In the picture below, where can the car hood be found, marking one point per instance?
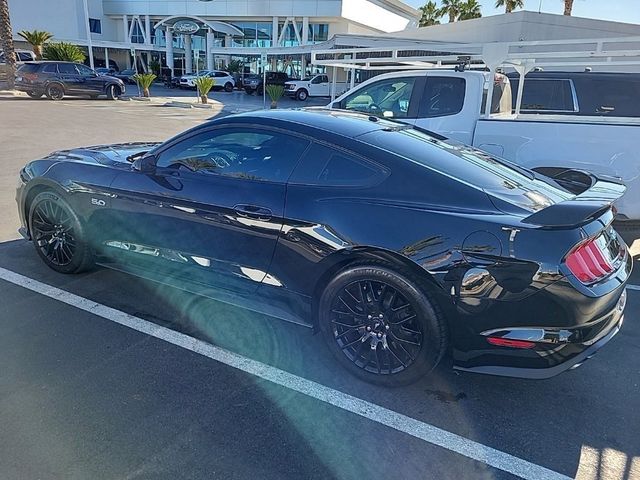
(111, 155)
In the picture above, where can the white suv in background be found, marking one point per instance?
(224, 80)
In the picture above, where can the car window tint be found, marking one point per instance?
(326, 166)
(617, 97)
(545, 95)
(30, 68)
(386, 98)
(67, 68)
(84, 70)
(50, 68)
(243, 153)
(442, 96)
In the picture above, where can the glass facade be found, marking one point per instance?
(256, 34)
(318, 32)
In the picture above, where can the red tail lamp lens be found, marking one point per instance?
(505, 342)
(588, 263)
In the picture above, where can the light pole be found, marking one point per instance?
(88, 27)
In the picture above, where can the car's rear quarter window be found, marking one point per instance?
(29, 68)
(326, 166)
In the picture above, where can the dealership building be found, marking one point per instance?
(188, 35)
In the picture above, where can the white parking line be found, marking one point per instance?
(384, 416)
(633, 287)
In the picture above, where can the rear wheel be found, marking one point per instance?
(113, 92)
(228, 87)
(55, 91)
(302, 94)
(58, 235)
(381, 326)
(34, 94)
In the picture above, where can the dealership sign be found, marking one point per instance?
(187, 27)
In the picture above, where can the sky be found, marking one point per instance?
(617, 10)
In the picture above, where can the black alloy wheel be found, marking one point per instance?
(55, 91)
(58, 235)
(381, 326)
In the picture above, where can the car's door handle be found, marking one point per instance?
(253, 211)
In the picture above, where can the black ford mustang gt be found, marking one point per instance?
(398, 246)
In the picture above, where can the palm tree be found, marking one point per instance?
(6, 39)
(469, 9)
(510, 5)
(431, 14)
(568, 6)
(37, 39)
(451, 7)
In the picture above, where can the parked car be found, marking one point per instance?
(579, 93)
(254, 83)
(224, 80)
(313, 86)
(21, 56)
(106, 71)
(57, 79)
(452, 104)
(397, 245)
(127, 76)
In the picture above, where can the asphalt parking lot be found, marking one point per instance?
(107, 376)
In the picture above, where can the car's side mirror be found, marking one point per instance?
(145, 164)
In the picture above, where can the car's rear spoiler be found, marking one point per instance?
(594, 200)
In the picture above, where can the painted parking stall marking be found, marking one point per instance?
(384, 416)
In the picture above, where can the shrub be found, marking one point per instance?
(144, 81)
(275, 93)
(204, 85)
(63, 52)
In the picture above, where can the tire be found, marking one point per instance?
(250, 92)
(259, 92)
(228, 87)
(33, 94)
(54, 91)
(113, 92)
(359, 313)
(58, 234)
(302, 95)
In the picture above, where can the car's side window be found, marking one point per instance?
(50, 68)
(67, 69)
(545, 95)
(387, 98)
(84, 71)
(326, 166)
(442, 96)
(249, 153)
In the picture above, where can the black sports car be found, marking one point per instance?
(399, 246)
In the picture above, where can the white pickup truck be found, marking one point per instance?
(558, 129)
(313, 86)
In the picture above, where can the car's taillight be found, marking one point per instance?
(588, 262)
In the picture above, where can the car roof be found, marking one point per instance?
(331, 121)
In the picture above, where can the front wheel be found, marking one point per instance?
(381, 326)
(302, 95)
(113, 92)
(58, 234)
(228, 87)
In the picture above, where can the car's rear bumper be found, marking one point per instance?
(561, 352)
